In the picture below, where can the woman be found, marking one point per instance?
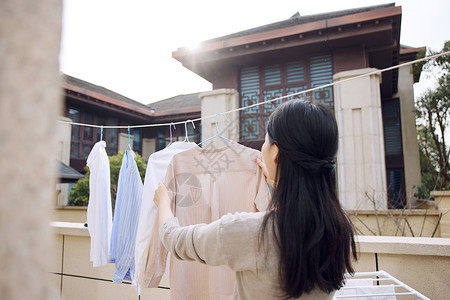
(300, 247)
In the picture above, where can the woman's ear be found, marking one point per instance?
(275, 152)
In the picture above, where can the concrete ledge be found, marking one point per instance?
(440, 193)
(395, 212)
(404, 245)
(217, 92)
(67, 228)
(367, 244)
(71, 207)
(353, 73)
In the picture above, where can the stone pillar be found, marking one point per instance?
(361, 158)
(442, 199)
(148, 147)
(63, 138)
(409, 133)
(215, 102)
(30, 101)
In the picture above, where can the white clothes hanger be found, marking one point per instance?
(217, 130)
(170, 129)
(186, 139)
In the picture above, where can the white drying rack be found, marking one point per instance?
(383, 281)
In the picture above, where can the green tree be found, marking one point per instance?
(433, 123)
(79, 195)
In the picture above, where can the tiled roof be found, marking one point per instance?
(66, 173)
(101, 90)
(177, 102)
(297, 19)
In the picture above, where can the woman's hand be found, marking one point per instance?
(162, 201)
(161, 194)
(260, 163)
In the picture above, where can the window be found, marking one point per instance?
(137, 140)
(74, 114)
(112, 135)
(161, 140)
(395, 189)
(262, 83)
(394, 153)
(84, 137)
(191, 133)
(178, 134)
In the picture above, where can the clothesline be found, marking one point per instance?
(268, 101)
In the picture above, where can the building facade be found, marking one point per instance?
(378, 161)
(87, 103)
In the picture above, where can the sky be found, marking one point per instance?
(126, 46)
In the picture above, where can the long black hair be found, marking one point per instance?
(313, 233)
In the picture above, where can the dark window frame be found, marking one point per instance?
(394, 162)
(282, 88)
(178, 134)
(94, 134)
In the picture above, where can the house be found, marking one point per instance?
(378, 160)
(91, 104)
(88, 103)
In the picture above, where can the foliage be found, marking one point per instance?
(79, 196)
(433, 123)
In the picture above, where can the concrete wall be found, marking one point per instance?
(411, 223)
(73, 214)
(407, 259)
(30, 101)
(123, 141)
(421, 263)
(148, 147)
(75, 278)
(442, 199)
(409, 133)
(361, 158)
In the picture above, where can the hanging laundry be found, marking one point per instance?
(126, 217)
(156, 173)
(206, 185)
(99, 211)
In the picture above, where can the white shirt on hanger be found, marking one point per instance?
(99, 211)
(156, 173)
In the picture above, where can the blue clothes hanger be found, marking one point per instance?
(101, 133)
(129, 140)
(217, 130)
(186, 139)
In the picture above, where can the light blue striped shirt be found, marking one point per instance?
(126, 217)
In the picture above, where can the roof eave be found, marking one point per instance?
(107, 100)
(410, 54)
(184, 55)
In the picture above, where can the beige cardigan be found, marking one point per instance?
(233, 241)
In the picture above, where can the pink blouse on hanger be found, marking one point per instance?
(207, 184)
